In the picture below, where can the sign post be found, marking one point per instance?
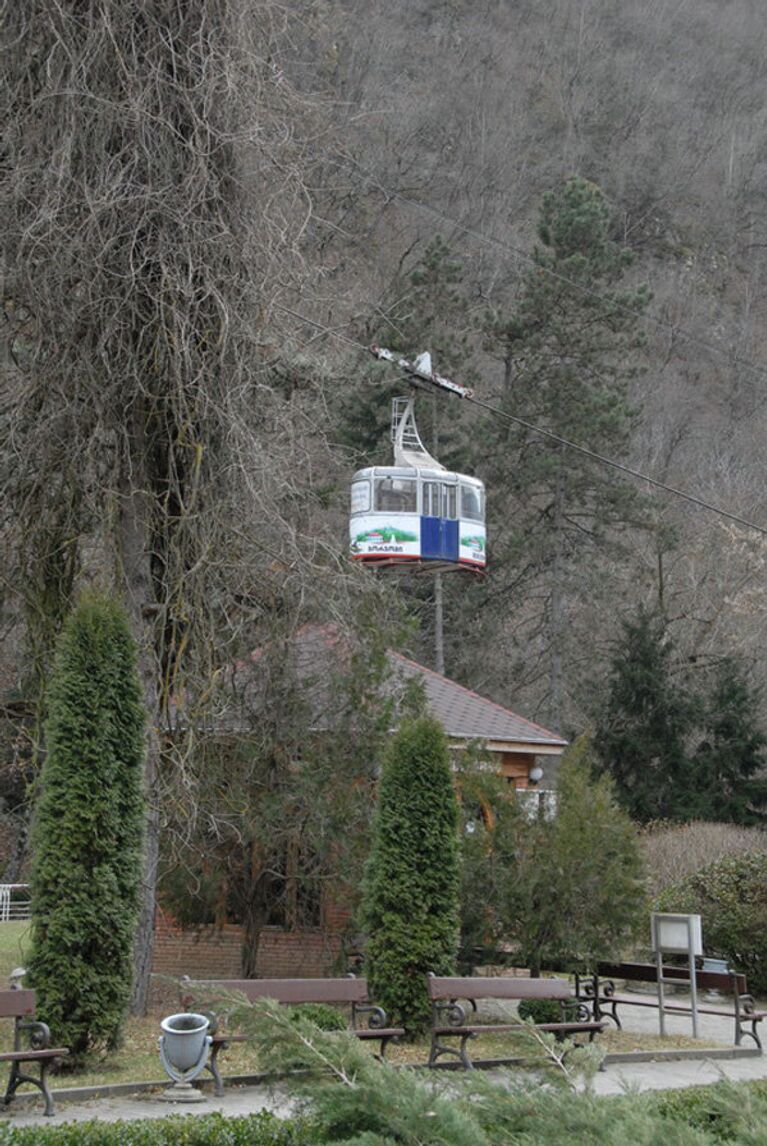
(677, 935)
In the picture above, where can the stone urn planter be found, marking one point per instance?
(184, 1047)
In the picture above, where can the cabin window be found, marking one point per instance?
(471, 503)
(448, 501)
(360, 496)
(396, 495)
(432, 499)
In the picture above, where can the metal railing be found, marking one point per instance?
(537, 803)
(14, 902)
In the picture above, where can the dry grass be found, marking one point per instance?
(138, 1059)
(673, 851)
(13, 945)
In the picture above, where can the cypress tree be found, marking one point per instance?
(410, 905)
(87, 839)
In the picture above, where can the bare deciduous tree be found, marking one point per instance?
(157, 434)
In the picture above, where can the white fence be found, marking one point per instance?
(14, 901)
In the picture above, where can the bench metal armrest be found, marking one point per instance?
(745, 1005)
(37, 1033)
(575, 1010)
(377, 1017)
(452, 1012)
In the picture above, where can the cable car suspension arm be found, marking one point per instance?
(421, 370)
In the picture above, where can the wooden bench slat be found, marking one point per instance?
(725, 981)
(350, 991)
(31, 1055)
(498, 988)
(17, 1004)
(492, 1028)
(291, 990)
(372, 1033)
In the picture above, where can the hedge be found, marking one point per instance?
(262, 1129)
(731, 898)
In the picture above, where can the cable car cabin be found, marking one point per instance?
(417, 517)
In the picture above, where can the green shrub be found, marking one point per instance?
(410, 895)
(325, 1017)
(673, 851)
(540, 1010)
(262, 1129)
(731, 897)
(723, 1110)
(87, 840)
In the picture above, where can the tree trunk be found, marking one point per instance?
(439, 634)
(556, 609)
(134, 549)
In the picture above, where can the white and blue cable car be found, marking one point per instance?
(416, 514)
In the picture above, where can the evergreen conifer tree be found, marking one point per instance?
(642, 735)
(561, 886)
(410, 898)
(425, 308)
(728, 763)
(87, 840)
(568, 352)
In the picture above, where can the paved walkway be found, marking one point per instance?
(617, 1077)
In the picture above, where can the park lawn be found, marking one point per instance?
(14, 938)
(518, 1046)
(137, 1060)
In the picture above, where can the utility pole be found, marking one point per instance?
(439, 616)
(439, 636)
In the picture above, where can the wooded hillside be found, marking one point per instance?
(212, 209)
(456, 120)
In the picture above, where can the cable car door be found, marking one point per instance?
(439, 527)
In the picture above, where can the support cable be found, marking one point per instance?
(468, 396)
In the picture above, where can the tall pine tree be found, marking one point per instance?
(642, 735)
(728, 763)
(568, 353)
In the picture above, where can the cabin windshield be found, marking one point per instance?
(360, 496)
(396, 495)
(471, 503)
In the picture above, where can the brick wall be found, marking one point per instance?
(298, 954)
(201, 953)
(215, 953)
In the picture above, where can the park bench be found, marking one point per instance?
(19, 1005)
(598, 992)
(449, 1014)
(349, 992)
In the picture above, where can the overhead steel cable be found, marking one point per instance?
(491, 240)
(551, 436)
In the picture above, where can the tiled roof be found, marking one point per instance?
(467, 715)
(317, 651)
